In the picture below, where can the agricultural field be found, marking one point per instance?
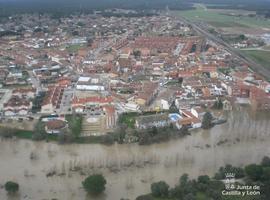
(227, 20)
(260, 56)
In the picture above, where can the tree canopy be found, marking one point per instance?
(160, 189)
(254, 171)
(11, 187)
(218, 104)
(94, 184)
(207, 120)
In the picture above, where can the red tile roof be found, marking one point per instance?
(102, 100)
(55, 124)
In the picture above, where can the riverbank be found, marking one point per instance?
(144, 138)
(126, 132)
(27, 134)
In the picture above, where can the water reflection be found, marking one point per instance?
(100, 197)
(16, 196)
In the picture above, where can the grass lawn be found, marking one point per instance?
(218, 19)
(74, 48)
(23, 134)
(26, 134)
(259, 56)
(75, 124)
(128, 119)
(173, 82)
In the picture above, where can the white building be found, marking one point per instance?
(132, 107)
(90, 84)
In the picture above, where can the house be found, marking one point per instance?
(149, 121)
(63, 82)
(90, 84)
(158, 44)
(79, 105)
(52, 99)
(165, 99)
(198, 112)
(15, 71)
(131, 107)
(147, 94)
(259, 99)
(211, 69)
(186, 121)
(240, 76)
(24, 92)
(17, 106)
(190, 120)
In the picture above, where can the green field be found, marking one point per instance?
(74, 48)
(219, 19)
(75, 124)
(259, 56)
(128, 119)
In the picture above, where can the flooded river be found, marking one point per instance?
(130, 169)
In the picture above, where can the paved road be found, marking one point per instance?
(6, 96)
(35, 82)
(65, 106)
(253, 65)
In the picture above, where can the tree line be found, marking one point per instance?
(67, 7)
(208, 188)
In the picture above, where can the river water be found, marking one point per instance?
(130, 169)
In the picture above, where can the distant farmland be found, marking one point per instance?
(260, 56)
(225, 18)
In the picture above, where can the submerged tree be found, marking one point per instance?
(11, 187)
(207, 120)
(218, 104)
(39, 131)
(94, 184)
(160, 189)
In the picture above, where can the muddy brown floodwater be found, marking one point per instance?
(48, 170)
